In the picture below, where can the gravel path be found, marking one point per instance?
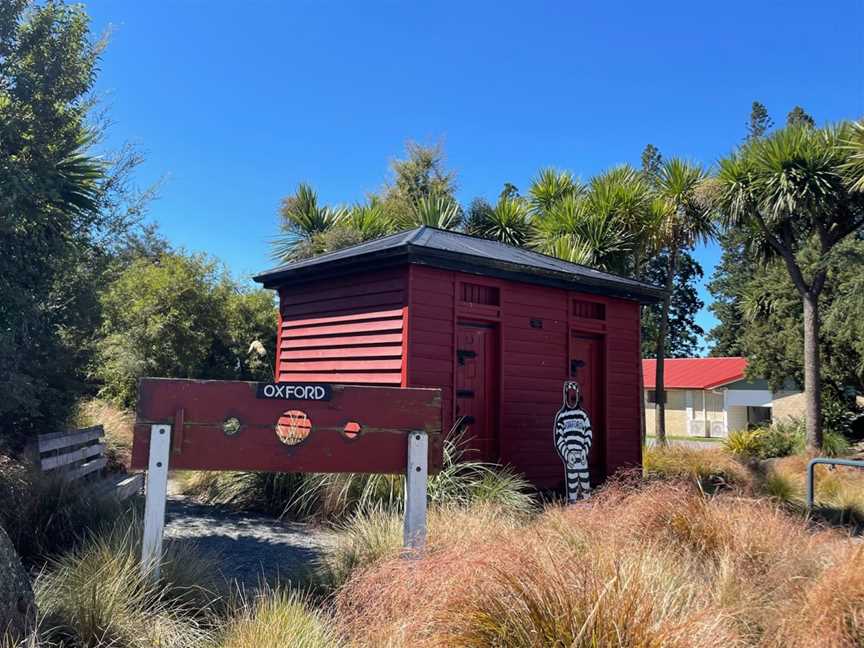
(254, 548)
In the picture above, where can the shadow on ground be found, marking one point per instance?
(253, 548)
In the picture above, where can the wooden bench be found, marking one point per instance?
(79, 455)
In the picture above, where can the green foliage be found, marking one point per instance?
(770, 329)
(509, 221)
(63, 211)
(799, 117)
(651, 160)
(781, 439)
(302, 219)
(744, 443)
(181, 317)
(683, 333)
(760, 121)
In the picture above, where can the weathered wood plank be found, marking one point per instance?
(58, 440)
(85, 469)
(49, 463)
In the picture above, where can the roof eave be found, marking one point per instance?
(422, 255)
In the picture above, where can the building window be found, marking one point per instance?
(652, 396)
(589, 310)
(479, 294)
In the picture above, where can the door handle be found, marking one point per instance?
(574, 365)
(464, 393)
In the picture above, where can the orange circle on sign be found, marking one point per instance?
(293, 427)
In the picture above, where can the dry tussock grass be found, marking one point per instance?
(658, 565)
(118, 424)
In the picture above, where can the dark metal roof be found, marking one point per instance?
(455, 251)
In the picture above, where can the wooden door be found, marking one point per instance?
(587, 368)
(476, 388)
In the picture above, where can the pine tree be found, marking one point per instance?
(760, 121)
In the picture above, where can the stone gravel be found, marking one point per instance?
(253, 548)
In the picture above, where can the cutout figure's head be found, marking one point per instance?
(572, 394)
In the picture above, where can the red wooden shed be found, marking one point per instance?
(497, 328)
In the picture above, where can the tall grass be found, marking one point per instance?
(96, 595)
(373, 535)
(118, 424)
(337, 497)
(712, 468)
(44, 515)
(277, 619)
(660, 565)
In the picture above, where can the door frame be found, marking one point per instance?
(494, 406)
(594, 329)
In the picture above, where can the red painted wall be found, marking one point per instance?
(397, 327)
(534, 362)
(346, 330)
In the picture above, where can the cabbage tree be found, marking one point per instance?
(797, 189)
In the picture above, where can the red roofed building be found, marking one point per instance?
(712, 397)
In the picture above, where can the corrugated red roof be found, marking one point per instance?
(695, 373)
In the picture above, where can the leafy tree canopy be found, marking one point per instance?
(182, 316)
(62, 210)
(684, 334)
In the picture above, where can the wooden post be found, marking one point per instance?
(154, 504)
(416, 473)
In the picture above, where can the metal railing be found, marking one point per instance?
(811, 473)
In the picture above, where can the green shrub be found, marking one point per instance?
(781, 439)
(745, 443)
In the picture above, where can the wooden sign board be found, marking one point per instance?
(282, 427)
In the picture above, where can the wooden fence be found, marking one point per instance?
(80, 455)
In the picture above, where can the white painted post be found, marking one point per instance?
(156, 494)
(416, 473)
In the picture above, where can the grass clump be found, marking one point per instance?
(711, 468)
(118, 424)
(45, 515)
(96, 594)
(276, 619)
(656, 565)
(373, 536)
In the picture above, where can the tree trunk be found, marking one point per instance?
(812, 373)
(659, 387)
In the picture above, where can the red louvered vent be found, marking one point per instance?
(589, 310)
(478, 294)
(347, 334)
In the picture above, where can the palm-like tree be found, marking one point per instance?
(682, 219)
(508, 221)
(853, 168)
(435, 211)
(302, 218)
(799, 188)
(369, 220)
(551, 187)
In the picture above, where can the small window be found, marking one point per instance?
(479, 294)
(652, 396)
(589, 310)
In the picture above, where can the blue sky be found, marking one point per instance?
(234, 103)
